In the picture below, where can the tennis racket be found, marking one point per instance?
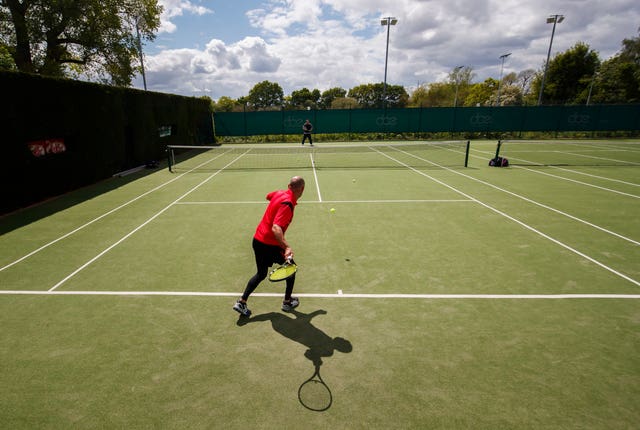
(314, 394)
(284, 271)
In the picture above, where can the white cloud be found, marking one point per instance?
(174, 8)
(327, 43)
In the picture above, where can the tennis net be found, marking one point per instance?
(570, 153)
(338, 156)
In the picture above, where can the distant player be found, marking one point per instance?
(307, 128)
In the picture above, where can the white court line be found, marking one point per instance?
(125, 237)
(499, 212)
(101, 216)
(576, 172)
(590, 175)
(315, 175)
(572, 180)
(335, 201)
(339, 295)
(597, 227)
(578, 182)
(631, 163)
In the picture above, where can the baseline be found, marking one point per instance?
(317, 295)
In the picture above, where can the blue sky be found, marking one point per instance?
(224, 47)
(224, 20)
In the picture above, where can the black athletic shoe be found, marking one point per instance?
(289, 306)
(241, 308)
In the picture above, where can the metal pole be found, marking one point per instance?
(144, 77)
(386, 59)
(500, 80)
(593, 79)
(554, 19)
(388, 21)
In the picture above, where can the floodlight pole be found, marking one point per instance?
(144, 77)
(502, 57)
(555, 19)
(593, 81)
(388, 22)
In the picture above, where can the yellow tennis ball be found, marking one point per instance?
(332, 210)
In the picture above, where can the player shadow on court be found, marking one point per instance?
(319, 344)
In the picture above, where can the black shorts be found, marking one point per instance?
(266, 255)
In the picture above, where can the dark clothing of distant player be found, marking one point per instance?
(307, 128)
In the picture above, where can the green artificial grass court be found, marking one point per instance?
(470, 297)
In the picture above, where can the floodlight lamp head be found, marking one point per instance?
(388, 21)
(555, 18)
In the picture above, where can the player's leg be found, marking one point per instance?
(263, 262)
(289, 303)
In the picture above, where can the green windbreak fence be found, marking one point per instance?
(431, 120)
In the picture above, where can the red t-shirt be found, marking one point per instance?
(279, 212)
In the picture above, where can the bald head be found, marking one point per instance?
(296, 184)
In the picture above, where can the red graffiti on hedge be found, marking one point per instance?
(40, 148)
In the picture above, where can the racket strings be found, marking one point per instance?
(283, 272)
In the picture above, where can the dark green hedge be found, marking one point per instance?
(106, 130)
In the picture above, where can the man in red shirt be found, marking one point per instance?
(269, 244)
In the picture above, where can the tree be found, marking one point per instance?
(266, 95)
(96, 38)
(618, 79)
(397, 96)
(304, 98)
(481, 94)
(225, 104)
(524, 80)
(328, 96)
(418, 96)
(366, 96)
(344, 103)
(569, 75)
(371, 95)
(460, 79)
(510, 92)
(631, 50)
(437, 94)
(6, 62)
(444, 94)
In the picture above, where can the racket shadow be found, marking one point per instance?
(314, 394)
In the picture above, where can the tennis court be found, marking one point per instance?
(434, 296)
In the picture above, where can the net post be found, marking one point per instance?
(498, 150)
(169, 158)
(466, 154)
